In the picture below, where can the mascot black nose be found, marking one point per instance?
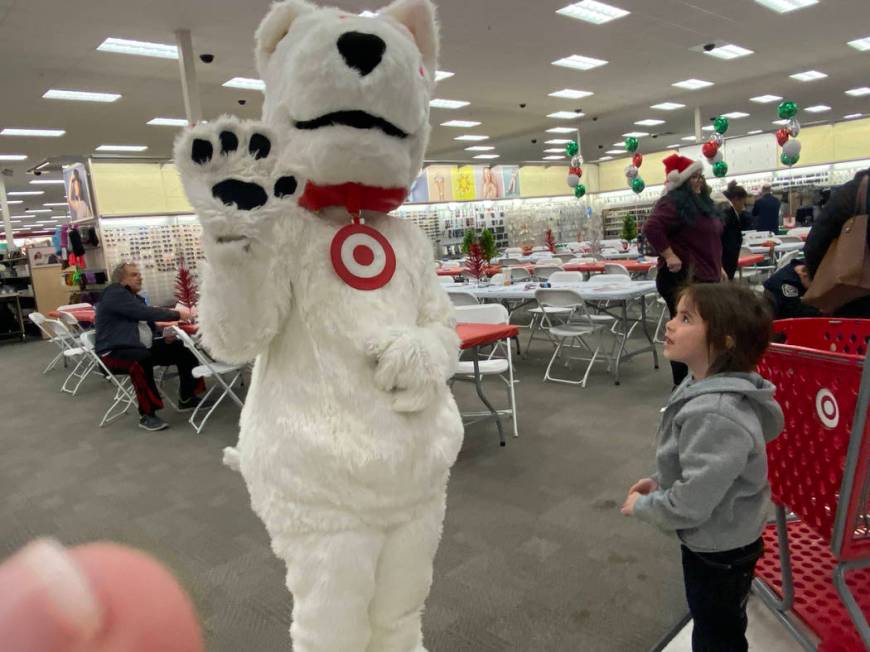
(362, 52)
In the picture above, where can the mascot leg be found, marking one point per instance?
(404, 575)
(332, 578)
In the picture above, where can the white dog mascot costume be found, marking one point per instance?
(349, 429)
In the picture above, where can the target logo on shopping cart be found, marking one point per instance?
(362, 257)
(827, 408)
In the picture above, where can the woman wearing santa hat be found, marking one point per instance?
(685, 229)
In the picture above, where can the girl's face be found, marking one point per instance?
(686, 338)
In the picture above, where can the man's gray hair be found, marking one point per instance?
(120, 272)
(765, 188)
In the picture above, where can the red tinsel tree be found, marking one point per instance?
(185, 287)
(475, 264)
(550, 241)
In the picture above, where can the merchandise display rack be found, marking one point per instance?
(15, 288)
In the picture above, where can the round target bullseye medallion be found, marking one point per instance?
(827, 408)
(362, 257)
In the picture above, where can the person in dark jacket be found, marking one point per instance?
(827, 227)
(765, 212)
(784, 289)
(127, 342)
(686, 232)
(733, 218)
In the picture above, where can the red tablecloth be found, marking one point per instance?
(477, 334)
(89, 316)
(633, 266)
(748, 261)
(452, 271)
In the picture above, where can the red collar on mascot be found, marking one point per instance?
(354, 197)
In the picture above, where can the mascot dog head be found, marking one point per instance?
(352, 92)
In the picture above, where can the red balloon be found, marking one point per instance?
(782, 136)
(637, 160)
(709, 149)
(578, 171)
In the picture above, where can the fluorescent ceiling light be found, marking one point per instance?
(479, 148)
(729, 51)
(447, 104)
(554, 150)
(593, 12)
(463, 124)
(616, 151)
(168, 122)
(784, 6)
(561, 130)
(692, 84)
(554, 158)
(649, 122)
(25, 193)
(735, 115)
(570, 93)
(852, 115)
(365, 13)
(579, 62)
(442, 74)
(139, 48)
(668, 106)
(471, 137)
(765, 99)
(818, 108)
(753, 132)
(42, 133)
(13, 157)
(122, 148)
(690, 138)
(80, 96)
(486, 156)
(56, 203)
(606, 158)
(809, 75)
(38, 210)
(862, 44)
(17, 201)
(47, 182)
(246, 83)
(779, 122)
(635, 134)
(565, 115)
(707, 128)
(619, 144)
(858, 92)
(675, 145)
(558, 141)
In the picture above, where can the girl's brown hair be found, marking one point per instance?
(738, 324)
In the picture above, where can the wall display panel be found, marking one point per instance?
(750, 154)
(817, 146)
(851, 140)
(144, 188)
(611, 174)
(544, 181)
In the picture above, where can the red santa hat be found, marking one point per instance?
(678, 169)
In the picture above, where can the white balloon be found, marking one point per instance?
(792, 147)
(718, 139)
(794, 127)
(719, 156)
(573, 180)
(576, 161)
(630, 171)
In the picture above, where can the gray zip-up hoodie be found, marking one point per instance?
(712, 462)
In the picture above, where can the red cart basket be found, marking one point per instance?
(817, 564)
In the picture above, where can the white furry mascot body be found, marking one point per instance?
(349, 429)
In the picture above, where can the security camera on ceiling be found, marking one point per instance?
(206, 58)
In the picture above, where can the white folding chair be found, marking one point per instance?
(497, 279)
(70, 322)
(124, 397)
(603, 279)
(519, 274)
(570, 331)
(446, 280)
(218, 371)
(540, 321)
(462, 298)
(566, 277)
(787, 258)
(564, 257)
(39, 319)
(72, 351)
(545, 270)
(616, 268)
(510, 262)
(495, 364)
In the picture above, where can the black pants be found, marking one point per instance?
(139, 363)
(717, 588)
(669, 284)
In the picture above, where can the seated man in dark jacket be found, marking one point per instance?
(785, 288)
(127, 342)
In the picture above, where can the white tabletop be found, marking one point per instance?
(588, 291)
(782, 248)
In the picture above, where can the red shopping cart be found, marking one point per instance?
(817, 564)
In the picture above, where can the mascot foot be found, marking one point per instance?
(231, 458)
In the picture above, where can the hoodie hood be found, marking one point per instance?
(756, 390)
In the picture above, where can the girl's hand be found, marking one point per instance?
(644, 486)
(628, 506)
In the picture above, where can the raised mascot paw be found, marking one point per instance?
(230, 170)
(408, 367)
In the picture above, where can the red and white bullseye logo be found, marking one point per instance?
(362, 257)
(827, 408)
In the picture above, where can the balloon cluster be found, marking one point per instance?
(712, 148)
(572, 149)
(632, 174)
(786, 136)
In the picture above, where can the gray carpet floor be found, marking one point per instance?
(535, 554)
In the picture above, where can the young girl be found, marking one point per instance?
(711, 482)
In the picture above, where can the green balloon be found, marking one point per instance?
(789, 160)
(638, 184)
(571, 148)
(720, 124)
(579, 190)
(631, 144)
(720, 168)
(787, 109)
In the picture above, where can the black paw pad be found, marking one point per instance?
(259, 146)
(285, 186)
(246, 196)
(201, 151)
(229, 142)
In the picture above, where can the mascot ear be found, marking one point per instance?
(419, 17)
(275, 26)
